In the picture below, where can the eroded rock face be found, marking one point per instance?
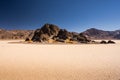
(47, 31)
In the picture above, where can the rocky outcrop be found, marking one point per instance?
(64, 34)
(27, 39)
(111, 42)
(103, 42)
(107, 42)
(46, 32)
(50, 31)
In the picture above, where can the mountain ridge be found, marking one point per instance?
(15, 34)
(92, 33)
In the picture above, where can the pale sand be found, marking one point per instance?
(59, 62)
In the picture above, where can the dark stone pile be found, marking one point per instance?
(50, 31)
(107, 42)
(111, 42)
(47, 31)
(103, 42)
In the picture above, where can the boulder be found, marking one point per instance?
(111, 42)
(27, 39)
(44, 33)
(103, 42)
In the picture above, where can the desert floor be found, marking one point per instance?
(59, 62)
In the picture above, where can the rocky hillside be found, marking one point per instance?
(15, 34)
(101, 34)
(52, 32)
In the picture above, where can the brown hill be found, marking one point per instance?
(101, 34)
(51, 31)
(15, 34)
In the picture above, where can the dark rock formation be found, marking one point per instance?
(46, 32)
(107, 42)
(83, 38)
(80, 38)
(103, 42)
(27, 39)
(50, 31)
(64, 34)
(111, 42)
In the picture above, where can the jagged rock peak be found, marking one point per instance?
(45, 32)
(50, 29)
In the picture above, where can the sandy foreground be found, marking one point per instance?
(59, 62)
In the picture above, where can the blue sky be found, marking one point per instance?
(74, 15)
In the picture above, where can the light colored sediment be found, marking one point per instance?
(59, 62)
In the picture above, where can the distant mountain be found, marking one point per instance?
(15, 34)
(101, 34)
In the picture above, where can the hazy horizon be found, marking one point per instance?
(73, 15)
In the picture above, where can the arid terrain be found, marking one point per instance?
(59, 62)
